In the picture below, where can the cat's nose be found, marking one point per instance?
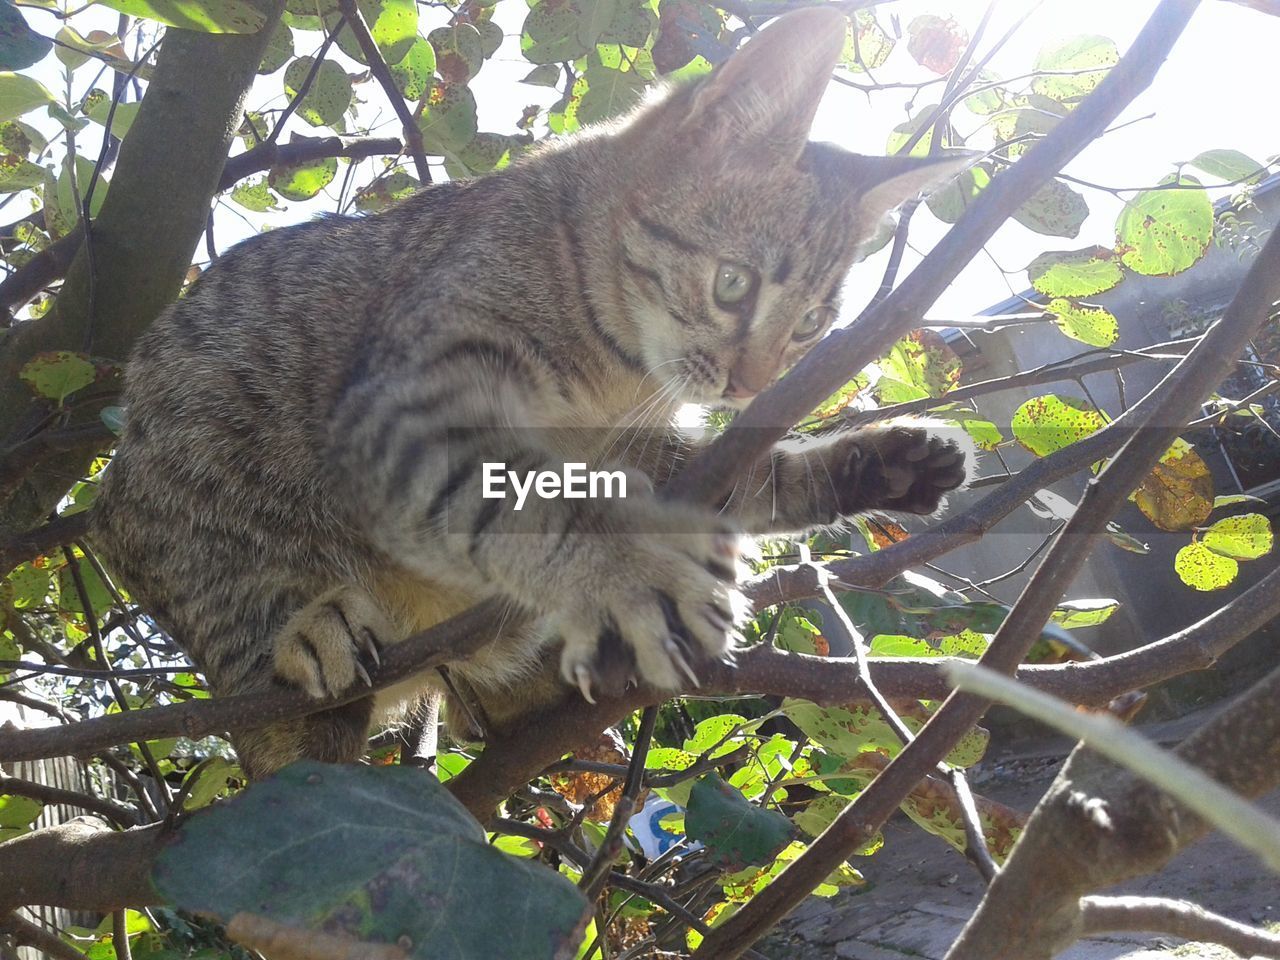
(737, 391)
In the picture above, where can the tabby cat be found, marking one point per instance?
(300, 480)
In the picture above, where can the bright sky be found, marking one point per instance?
(1210, 94)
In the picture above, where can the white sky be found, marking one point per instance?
(1214, 92)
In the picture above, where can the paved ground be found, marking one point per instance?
(920, 891)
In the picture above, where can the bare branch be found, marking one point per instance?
(1119, 827)
(26, 933)
(121, 816)
(1179, 918)
(382, 73)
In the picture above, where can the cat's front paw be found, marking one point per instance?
(659, 602)
(905, 467)
(331, 641)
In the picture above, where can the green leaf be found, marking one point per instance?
(1084, 613)
(903, 132)
(100, 598)
(29, 585)
(1244, 537)
(735, 833)
(208, 780)
(711, 731)
(1201, 568)
(416, 70)
(1092, 53)
(207, 16)
(20, 46)
(550, 32)
(58, 374)
(407, 857)
(1230, 165)
(18, 173)
(21, 138)
(985, 434)
(1235, 498)
(796, 632)
(448, 121)
(20, 94)
(279, 49)
(545, 75)
(1095, 326)
(609, 93)
(949, 202)
(919, 365)
(1049, 423)
(459, 53)
(394, 27)
(1163, 232)
(491, 37)
(1075, 273)
(305, 181)
(1126, 541)
(97, 107)
(255, 195)
(385, 191)
(17, 814)
(67, 208)
(1055, 211)
(483, 153)
(330, 94)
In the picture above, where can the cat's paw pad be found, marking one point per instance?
(907, 468)
(331, 642)
(658, 616)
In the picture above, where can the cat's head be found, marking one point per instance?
(733, 231)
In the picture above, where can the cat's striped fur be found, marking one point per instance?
(299, 480)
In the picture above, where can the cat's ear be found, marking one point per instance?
(765, 95)
(882, 183)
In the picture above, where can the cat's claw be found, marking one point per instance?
(329, 644)
(677, 657)
(582, 674)
(370, 644)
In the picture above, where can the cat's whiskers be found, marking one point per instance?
(660, 407)
(637, 418)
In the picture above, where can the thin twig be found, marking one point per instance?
(382, 73)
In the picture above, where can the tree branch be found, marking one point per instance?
(28, 934)
(382, 73)
(1099, 825)
(1177, 917)
(120, 816)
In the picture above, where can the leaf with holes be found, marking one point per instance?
(1163, 232)
(57, 374)
(330, 94)
(304, 181)
(18, 173)
(1092, 55)
(20, 46)
(459, 54)
(866, 44)
(1244, 537)
(1201, 568)
(919, 365)
(416, 70)
(735, 833)
(410, 854)
(207, 16)
(1055, 211)
(1049, 423)
(936, 43)
(1075, 273)
(1095, 326)
(1178, 492)
(28, 585)
(255, 195)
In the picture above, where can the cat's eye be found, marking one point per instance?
(734, 283)
(813, 322)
